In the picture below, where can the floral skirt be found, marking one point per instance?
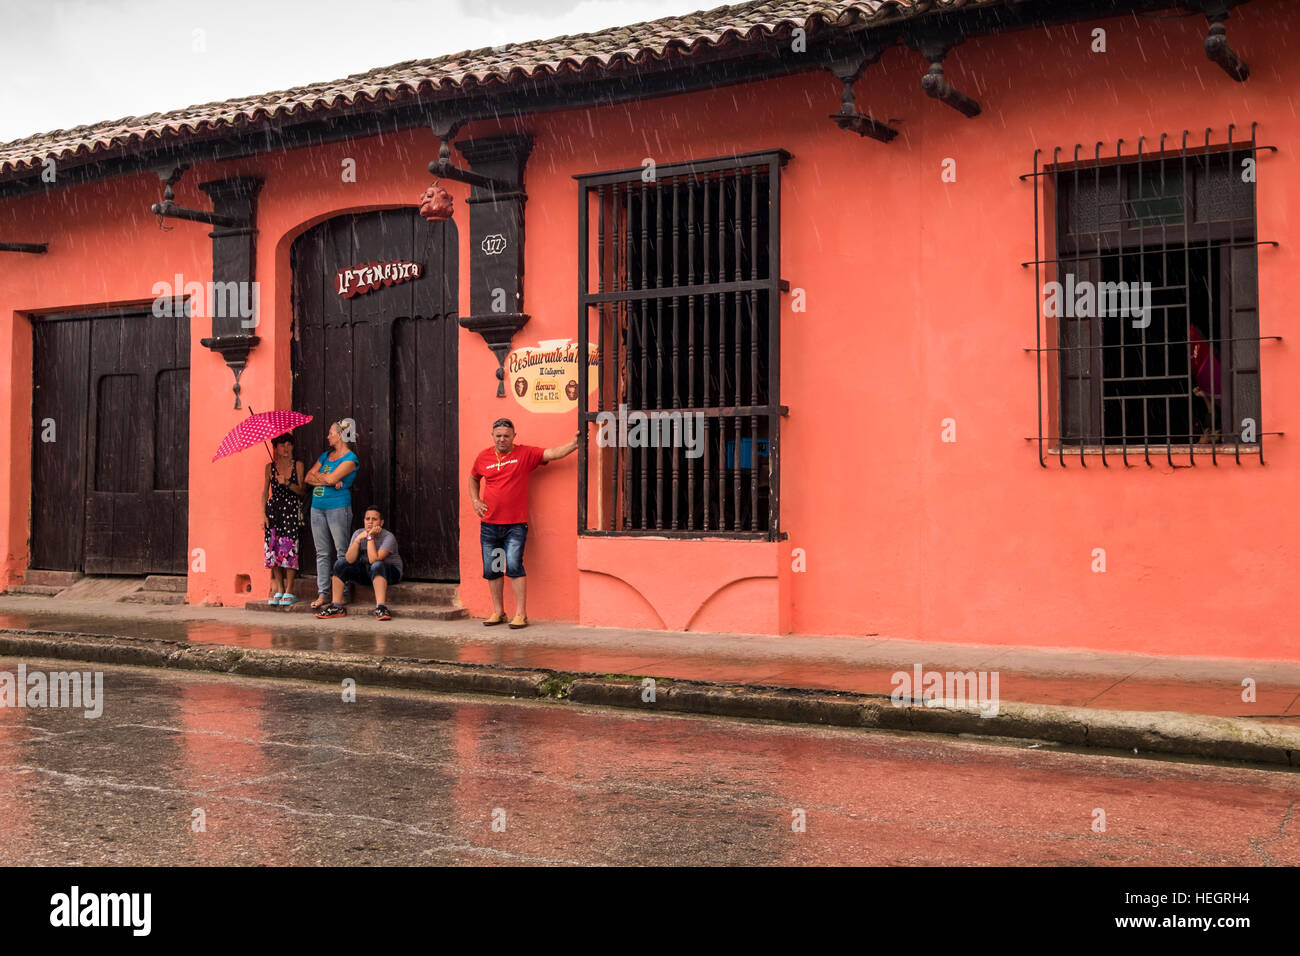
(281, 550)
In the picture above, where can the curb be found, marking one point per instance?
(399, 672)
(1169, 733)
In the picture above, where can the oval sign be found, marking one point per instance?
(544, 377)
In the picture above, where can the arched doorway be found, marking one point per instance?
(379, 346)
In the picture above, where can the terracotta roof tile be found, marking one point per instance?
(474, 70)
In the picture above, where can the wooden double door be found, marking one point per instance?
(386, 358)
(110, 442)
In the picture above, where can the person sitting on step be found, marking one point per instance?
(371, 558)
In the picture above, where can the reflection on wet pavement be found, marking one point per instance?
(284, 773)
(716, 658)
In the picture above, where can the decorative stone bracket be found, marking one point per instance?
(497, 331)
(233, 260)
(496, 243)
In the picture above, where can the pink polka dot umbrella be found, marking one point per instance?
(258, 428)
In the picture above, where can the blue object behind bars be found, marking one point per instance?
(746, 452)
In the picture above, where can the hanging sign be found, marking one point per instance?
(374, 275)
(544, 377)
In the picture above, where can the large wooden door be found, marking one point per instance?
(110, 490)
(386, 359)
(60, 398)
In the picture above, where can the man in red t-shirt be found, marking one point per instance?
(498, 489)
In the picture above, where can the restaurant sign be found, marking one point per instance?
(370, 276)
(544, 377)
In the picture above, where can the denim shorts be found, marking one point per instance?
(363, 572)
(503, 547)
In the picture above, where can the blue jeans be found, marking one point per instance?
(503, 541)
(331, 529)
(362, 571)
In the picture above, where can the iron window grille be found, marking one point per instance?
(1146, 301)
(686, 317)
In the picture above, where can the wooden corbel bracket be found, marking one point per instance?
(936, 85)
(167, 209)
(442, 166)
(1216, 43)
(848, 69)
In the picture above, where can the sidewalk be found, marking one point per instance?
(1080, 681)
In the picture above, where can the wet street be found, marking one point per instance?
(201, 769)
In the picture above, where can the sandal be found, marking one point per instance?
(494, 620)
(320, 602)
(288, 600)
(519, 621)
(274, 599)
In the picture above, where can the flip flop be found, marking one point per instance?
(288, 600)
(274, 599)
(319, 603)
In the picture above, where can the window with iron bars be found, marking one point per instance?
(685, 264)
(1149, 302)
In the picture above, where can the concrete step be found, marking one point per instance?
(36, 590)
(52, 579)
(153, 597)
(433, 593)
(363, 608)
(102, 588)
(166, 582)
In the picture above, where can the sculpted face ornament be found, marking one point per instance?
(436, 203)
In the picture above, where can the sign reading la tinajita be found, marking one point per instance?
(370, 276)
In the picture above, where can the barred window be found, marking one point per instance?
(1149, 303)
(685, 317)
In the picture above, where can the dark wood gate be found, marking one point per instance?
(387, 359)
(110, 443)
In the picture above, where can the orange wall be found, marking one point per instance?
(918, 310)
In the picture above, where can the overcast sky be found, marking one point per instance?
(65, 63)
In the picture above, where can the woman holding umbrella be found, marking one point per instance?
(282, 494)
(331, 505)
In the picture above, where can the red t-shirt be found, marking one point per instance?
(505, 482)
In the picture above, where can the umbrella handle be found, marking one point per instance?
(268, 446)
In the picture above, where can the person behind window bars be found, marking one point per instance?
(498, 490)
(1207, 378)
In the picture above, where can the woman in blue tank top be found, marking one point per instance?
(331, 479)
